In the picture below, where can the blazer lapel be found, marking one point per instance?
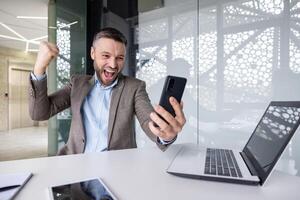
(87, 86)
(115, 98)
(84, 90)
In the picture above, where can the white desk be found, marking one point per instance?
(140, 174)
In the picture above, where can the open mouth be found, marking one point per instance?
(109, 73)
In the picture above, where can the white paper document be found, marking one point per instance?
(11, 184)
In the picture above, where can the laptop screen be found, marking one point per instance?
(272, 134)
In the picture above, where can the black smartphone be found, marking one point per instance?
(173, 86)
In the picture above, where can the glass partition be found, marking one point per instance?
(237, 55)
(255, 62)
(69, 32)
(166, 39)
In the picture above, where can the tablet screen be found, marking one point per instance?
(93, 189)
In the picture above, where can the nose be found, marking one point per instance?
(112, 63)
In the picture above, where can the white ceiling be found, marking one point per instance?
(28, 28)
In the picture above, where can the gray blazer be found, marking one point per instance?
(129, 98)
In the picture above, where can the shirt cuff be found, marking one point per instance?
(37, 77)
(163, 142)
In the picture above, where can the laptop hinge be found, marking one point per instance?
(249, 164)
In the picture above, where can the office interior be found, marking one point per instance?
(238, 55)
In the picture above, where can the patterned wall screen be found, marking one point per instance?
(63, 60)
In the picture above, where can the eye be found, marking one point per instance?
(105, 56)
(120, 58)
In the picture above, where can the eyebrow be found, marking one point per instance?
(106, 52)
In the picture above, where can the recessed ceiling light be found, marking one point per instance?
(31, 17)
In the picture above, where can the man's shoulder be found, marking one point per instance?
(132, 80)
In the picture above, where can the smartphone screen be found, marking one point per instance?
(173, 87)
(93, 189)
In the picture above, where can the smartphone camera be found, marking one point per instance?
(171, 84)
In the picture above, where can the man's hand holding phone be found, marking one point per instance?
(169, 118)
(168, 127)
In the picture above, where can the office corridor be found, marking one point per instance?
(23, 143)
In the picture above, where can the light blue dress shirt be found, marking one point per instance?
(95, 112)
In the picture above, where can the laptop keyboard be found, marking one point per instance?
(221, 162)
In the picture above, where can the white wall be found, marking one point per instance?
(3, 92)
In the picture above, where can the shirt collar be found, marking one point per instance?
(99, 83)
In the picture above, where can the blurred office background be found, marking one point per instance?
(238, 55)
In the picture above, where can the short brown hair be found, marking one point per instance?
(111, 33)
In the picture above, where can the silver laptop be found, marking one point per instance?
(255, 162)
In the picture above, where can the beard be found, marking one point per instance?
(107, 75)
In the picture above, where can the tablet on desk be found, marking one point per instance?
(92, 189)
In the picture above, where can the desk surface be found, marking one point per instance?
(140, 174)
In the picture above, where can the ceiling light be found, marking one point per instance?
(21, 38)
(39, 38)
(63, 26)
(27, 47)
(31, 17)
(32, 50)
(52, 27)
(12, 38)
(72, 23)
(13, 31)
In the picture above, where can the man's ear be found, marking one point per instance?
(92, 53)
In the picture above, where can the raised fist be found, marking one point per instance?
(47, 52)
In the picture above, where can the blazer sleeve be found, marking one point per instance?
(43, 106)
(143, 108)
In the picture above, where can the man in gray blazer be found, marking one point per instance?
(103, 106)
